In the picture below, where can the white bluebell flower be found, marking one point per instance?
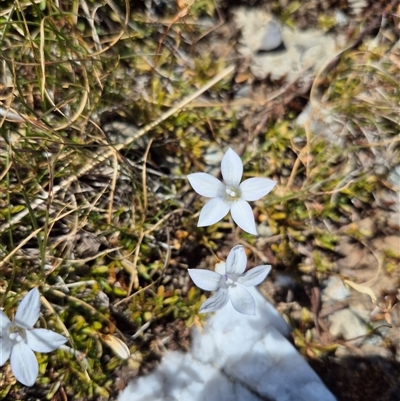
(229, 281)
(230, 195)
(18, 339)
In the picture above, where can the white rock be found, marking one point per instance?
(235, 358)
(348, 323)
(303, 50)
(272, 37)
(321, 120)
(334, 290)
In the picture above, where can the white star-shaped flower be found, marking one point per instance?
(229, 280)
(18, 339)
(231, 195)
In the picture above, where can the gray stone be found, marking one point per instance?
(334, 290)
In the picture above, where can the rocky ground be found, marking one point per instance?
(349, 332)
(312, 99)
(352, 335)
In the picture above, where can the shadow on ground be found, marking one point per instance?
(353, 378)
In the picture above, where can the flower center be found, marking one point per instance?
(16, 333)
(232, 194)
(230, 280)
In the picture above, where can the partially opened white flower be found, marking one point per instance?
(229, 280)
(18, 339)
(231, 195)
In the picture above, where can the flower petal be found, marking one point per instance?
(242, 300)
(217, 301)
(205, 279)
(28, 310)
(220, 268)
(43, 340)
(231, 168)
(206, 185)
(254, 276)
(24, 364)
(5, 323)
(5, 350)
(236, 261)
(243, 216)
(213, 211)
(255, 188)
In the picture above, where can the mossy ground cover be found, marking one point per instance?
(96, 142)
